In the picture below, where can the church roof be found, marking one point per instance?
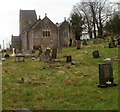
(28, 14)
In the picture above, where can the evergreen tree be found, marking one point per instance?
(77, 22)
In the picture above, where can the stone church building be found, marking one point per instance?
(34, 32)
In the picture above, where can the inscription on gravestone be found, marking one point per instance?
(106, 70)
(106, 75)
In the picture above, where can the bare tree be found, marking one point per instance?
(95, 13)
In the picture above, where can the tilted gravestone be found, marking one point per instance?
(47, 52)
(68, 58)
(106, 75)
(54, 53)
(96, 54)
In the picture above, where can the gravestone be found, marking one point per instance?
(33, 57)
(74, 43)
(70, 42)
(112, 43)
(68, 58)
(22, 110)
(13, 54)
(95, 54)
(54, 53)
(106, 75)
(78, 44)
(60, 50)
(40, 51)
(17, 51)
(6, 56)
(84, 42)
(20, 58)
(47, 52)
(118, 41)
(33, 51)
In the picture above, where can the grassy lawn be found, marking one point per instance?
(65, 88)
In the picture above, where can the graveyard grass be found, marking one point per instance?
(64, 88)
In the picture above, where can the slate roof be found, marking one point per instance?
(28, 15)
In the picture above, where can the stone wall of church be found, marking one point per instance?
(16, 44)
(40, 37)
(24, 41)
(65, 34)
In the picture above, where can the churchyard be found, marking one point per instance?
(54, 84)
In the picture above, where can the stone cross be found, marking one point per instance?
(13, 54)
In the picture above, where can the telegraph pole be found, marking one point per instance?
(3, 48)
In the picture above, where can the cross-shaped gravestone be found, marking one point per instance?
(13, 54)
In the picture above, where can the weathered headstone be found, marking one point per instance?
(19, 58)
(106, 75)
(33, 51)
(17, 51)
(22, 110)
(70, 42)
(47, 52)
(78, 44)
(60, 50)
(33, 57)
(84, 42)
(40, 51)
(112, 43)
(54, 53)
(6, 56)
(68, 58)
(74, 43)
(95, 54)
(118, 41)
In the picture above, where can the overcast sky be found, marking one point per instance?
(9, 13)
